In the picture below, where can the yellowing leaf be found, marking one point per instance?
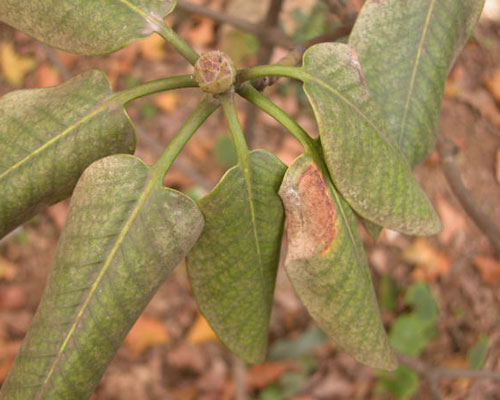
(14, 66)
(201, 331)
(153, 48)
(167, 101)
(146, 333)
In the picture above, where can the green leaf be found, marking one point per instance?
(327, 265)
(406, 49)
(89, 27)
(420, 297)
(49, 136)
(366, 166)
(476, 356)
(388, 293)
(124, 233)
(410, 334)
(401, 383)
(225, 153)
(300, 346)
(233, 266)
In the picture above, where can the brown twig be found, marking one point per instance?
(433, 375)
(268, 35)
(447, 151)
(264, 57)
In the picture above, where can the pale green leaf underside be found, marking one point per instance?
(327, 265)
(406, 48)
(233, 266)
(124, 233)
(49, 136)
(89, 27)
(366, 166)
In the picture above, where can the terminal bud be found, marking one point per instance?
(215, 72)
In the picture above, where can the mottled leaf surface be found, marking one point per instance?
(233, 265)
(327, 265)
(366, 166)
(406, 48)
(49, 136)
(89, 27)
(124, 233)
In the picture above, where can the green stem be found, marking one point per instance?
(178, 43)
(159, 85)
(206, 107)
(261, 71)
(311, 147)
(240, 143)
(258, 99)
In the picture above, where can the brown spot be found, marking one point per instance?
(310, 214)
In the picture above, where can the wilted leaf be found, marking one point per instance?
(233, 266)
(327, 265)
(406, 49)
(14, 66)
(87, 27)
(366, 166)
(201, 331)
(489, 268)
(430, 263)
(49, 136)
(124, 233)
(146, 333)
(476, 356)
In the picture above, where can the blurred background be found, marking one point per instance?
(439, 295)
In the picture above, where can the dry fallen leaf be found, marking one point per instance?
(453, 221)
(47, 75)
(8, 270)
(12, 298)
(430, 263)
(483, 102)
(202, 33)
(493, 84)
(153, 48)
(489, 268)
(498, 166)
(201, 331)
(167, 101)
(146, 333)
(58, 212)
(14, 66)
(261, 375)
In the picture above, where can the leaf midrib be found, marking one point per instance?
(107, 263)
(418, 57)
(310, 78)
(105, 105)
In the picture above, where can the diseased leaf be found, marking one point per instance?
(233, 266)
(124, 233)
(406, 49)
(327, 265)
(49, 136)
(366, 166)
(89, 27)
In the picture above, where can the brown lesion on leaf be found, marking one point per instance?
(311, 213)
